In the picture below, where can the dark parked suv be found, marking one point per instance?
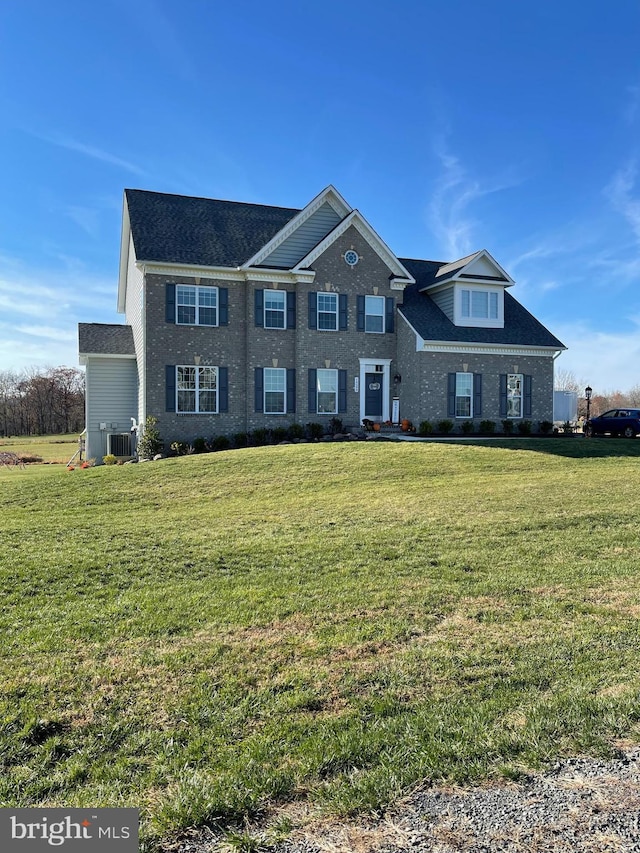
(617, 422)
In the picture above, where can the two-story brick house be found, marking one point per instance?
(239, 316)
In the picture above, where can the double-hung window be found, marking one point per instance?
(374, 313)
(275, 307)
(196, 306)
(514, 395)
(328, 311)
(480, 304)
(464, 395)
(275, 390)
(197, 389)
(327, 389)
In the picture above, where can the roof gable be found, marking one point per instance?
(479, 267)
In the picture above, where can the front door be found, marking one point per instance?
(373, 395)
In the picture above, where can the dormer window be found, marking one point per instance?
(479, 306)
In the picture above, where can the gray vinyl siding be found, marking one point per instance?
(112, 398)
(134, 312)
(300, 243)
(444, 301)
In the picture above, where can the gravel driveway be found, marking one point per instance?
(579, 805)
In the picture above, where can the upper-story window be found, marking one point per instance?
(196, 306)
(374, 310)
(274, 309)
(480, 304)
(328, 311)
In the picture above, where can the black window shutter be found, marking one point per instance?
(477, 395)
(223, 310)
(503, 395)
(291, 309)
(259, 307)
(259, 390)
(451, 395)
(313, 392)
(342, 390)
(170, 387)
(390, 310)
(223, 389)
(170, 303)
(527, 397)
(291, 390)
(343, 315)
(361, 304)
(313, 310)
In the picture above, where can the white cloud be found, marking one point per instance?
(607, 360)
(620, 194)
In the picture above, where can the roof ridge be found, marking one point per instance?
(207, 198)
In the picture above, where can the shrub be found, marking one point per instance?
(487, 427)
(425, 428)
(546, 427)
(524, 427)
(150, 443)
(240, 439)
(28, 458)
(567, 428)
(180, 448)
(279, 434)
(259, 437)
(296, 431)
(507, 426)
(220, 442)
(466, 427)
(110, 459)
(445, 426)
(335, 426)
(315, 431)
(199, 445)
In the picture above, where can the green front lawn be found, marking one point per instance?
(208, 636)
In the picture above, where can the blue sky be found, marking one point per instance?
(452, 126)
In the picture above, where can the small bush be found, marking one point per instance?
(315, 431)
(445, 426)
(296, 431)
(199, 445)
(524, 427)
(567, 428)
(425, 428)
(220, 442)
(487, 427)
(150, 443)
(545, 427)
(466, 427)
(110, 459)
(507, 426)
(240, 439)
(335, 426)
(180, 448)
(279, 434)
(259, 437)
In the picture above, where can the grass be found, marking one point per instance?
(211, 637)
(50, 448)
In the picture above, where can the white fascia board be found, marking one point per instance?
(227, 273)
(125, 242)
(84, 357)
(329, 195)
(358, 221)
(479, 256)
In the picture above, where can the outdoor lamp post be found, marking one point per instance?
(587, 395)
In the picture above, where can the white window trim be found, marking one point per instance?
(373, 331)
(335, 393)
(470, 396)
(281, 294)
(478, 322)
(318, 312)
(265, 391)
(198, 288)
(197, 389)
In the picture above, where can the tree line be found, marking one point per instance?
(41, 401)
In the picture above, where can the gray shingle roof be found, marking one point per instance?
(520, 327)
(105, 339)
(200, 231)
